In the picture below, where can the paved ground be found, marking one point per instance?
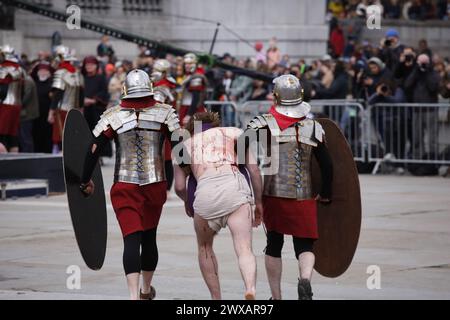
(405, 231)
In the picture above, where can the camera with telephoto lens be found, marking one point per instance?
(423, 67)
(409, 58)
(387, 43)
(384, 88)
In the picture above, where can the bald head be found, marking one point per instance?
(423, 59)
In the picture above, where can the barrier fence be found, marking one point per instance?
(398, 133)
(410, 133)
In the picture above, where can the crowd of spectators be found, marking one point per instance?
(391, 9)
(389, 71)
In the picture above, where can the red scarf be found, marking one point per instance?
(138, 103)
(164, 82)
(8, 63)
(68, 66)
(282, 120)
(8, 79)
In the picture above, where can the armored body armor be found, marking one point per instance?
(193, 81)
(293, 159)
(71, 84)
(139, 156)
(15, 88)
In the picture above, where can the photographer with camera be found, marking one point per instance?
(391, 49)
(368, 79)
(391, 122)
(406, 65)
(423, 86)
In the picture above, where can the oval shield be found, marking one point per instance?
(88, 214)
(339, 223)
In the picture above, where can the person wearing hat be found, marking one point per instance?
(260, 56)
(377, 71)
(391, 48)
(67, 92)
(12, 77)
(138, 194)
(42, 130)
(289, 206)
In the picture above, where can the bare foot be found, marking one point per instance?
(250, 296)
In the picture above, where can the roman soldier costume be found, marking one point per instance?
(163, 83)
(67, 89)
(289, 204)
(139, 126)
(194, 86)
(163, 88)
(12, 77)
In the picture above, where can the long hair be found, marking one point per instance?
(212, 118)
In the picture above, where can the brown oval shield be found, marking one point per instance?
(339, 223)
(88, 213)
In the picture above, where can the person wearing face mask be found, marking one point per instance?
(423, 86)
(42, 130)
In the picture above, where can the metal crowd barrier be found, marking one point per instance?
(250, 109)
(410, 133)
(350, 116)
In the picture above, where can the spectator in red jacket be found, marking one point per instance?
(337, 41)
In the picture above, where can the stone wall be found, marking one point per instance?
(299, 26)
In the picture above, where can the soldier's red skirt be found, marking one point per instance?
(9, 119)
(184, 109)
(138, 208)
(292, 217)
(58, 126)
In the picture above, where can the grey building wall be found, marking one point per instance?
(299, 26)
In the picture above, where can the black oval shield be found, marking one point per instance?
(88, 214)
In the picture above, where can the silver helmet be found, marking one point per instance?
(160, 67)
(137, 85)
(7, 52)
(288, 96)
(64, 53)
(191, 59)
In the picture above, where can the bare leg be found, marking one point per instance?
(133, 285)
(274, 268)
(206, 257)
(306, 262)
(240, 224)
